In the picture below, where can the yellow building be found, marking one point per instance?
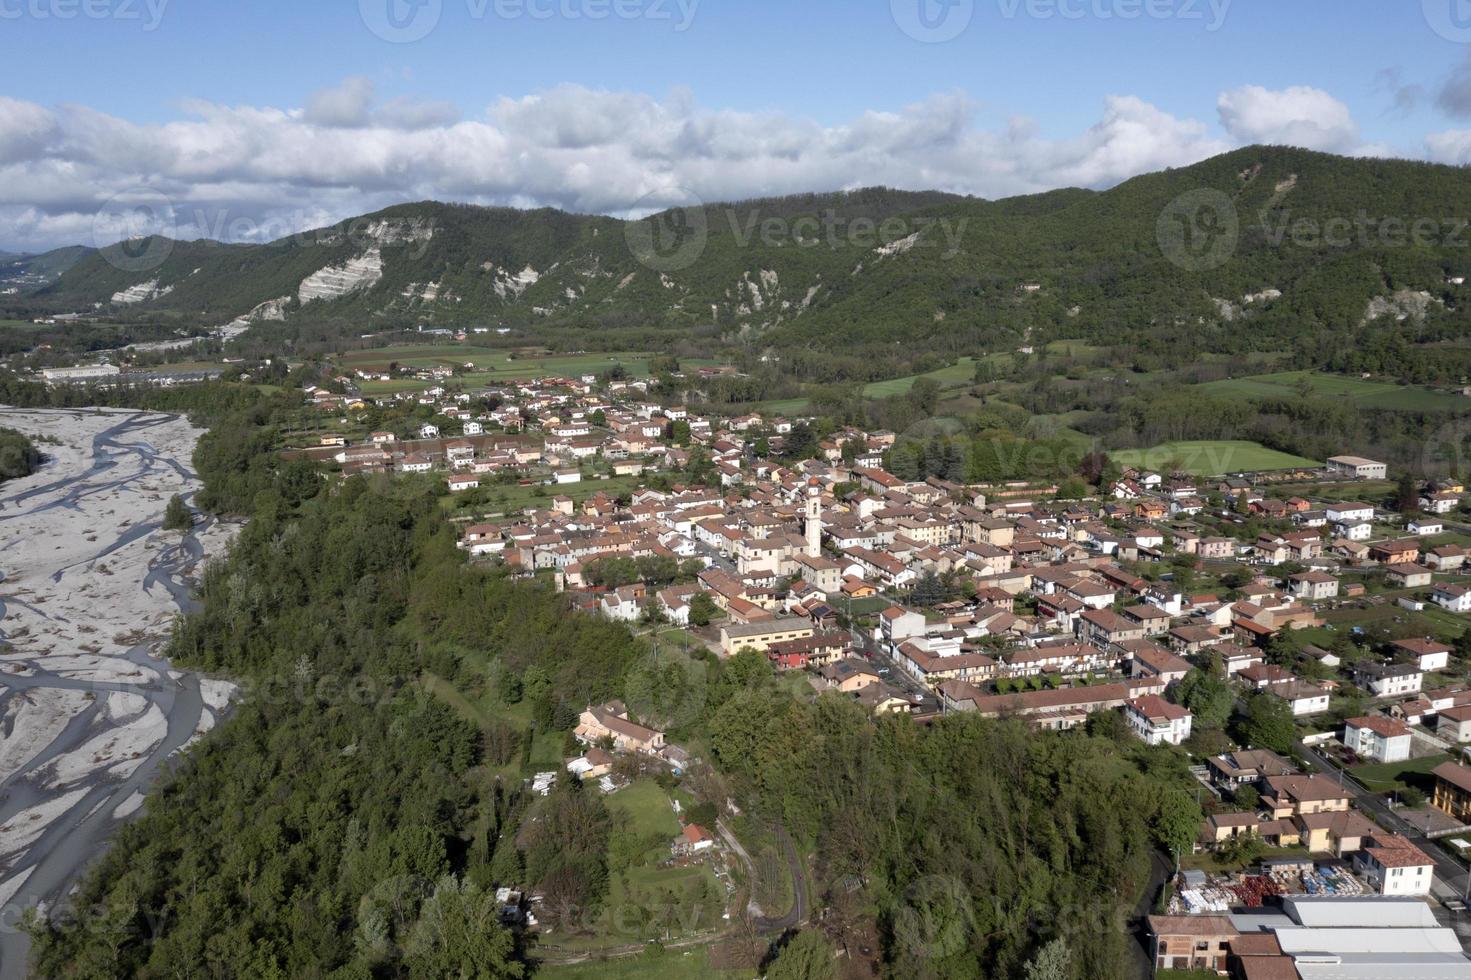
(735, 637)
(1453, 790)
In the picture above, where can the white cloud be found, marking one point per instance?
(346, 105)
(1299, 116)
(257, 172)
(1452, 146)
(25, 129)
(406, 113)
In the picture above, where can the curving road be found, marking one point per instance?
(794, 916)
(88, 585)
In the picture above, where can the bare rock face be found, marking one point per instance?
(1406, 304)
(337, 281)
(511, 284)
(363, 271)
(271, 309)
(423, 292)
(141, 293)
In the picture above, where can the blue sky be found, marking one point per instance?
(209, 103)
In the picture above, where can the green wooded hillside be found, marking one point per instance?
(1331, 235)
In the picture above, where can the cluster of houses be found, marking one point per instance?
(547, 427)
(1377, 923)
(1313, 812)
(1052, 593)
(917, 596)
(606, 731)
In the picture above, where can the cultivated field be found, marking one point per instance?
(1367, 394)
(1212, 458)
(957, 375)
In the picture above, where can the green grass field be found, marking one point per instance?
(184, 366)
(1402, 623)
(1389, 776)
(649, 900)
(771, 409)
(1212, 458)
(1367, 394)
(647, 806)
(957, 375)
(1211, 862)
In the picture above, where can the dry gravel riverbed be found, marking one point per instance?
(89, 587)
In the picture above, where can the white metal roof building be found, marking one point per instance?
(1364, 938)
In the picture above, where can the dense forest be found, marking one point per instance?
(346, 821)
(18, 455)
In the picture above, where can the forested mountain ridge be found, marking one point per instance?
(1321, 253)
(33, 271)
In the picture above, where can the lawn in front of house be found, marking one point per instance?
(1386, 777)
(649, 896)
(1211, 862)
(647, 807)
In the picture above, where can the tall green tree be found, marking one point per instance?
(808, 956)
(176, 516)
(1269, 723)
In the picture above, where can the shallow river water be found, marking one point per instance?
(88, 585)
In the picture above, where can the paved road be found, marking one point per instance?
(1161, 869)
(895, 677)
(797, 914)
